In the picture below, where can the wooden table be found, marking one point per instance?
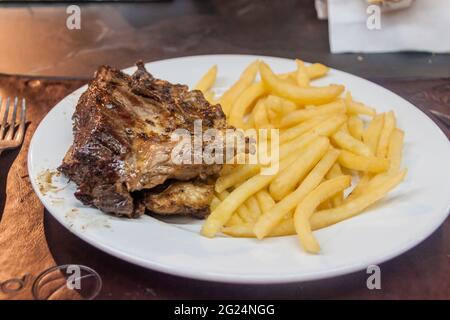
(32, 241)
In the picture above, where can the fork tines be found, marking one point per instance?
(12, 130)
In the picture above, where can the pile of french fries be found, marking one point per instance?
(327, 139)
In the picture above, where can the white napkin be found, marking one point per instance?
(424, 26)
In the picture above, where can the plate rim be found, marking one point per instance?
(232, 277)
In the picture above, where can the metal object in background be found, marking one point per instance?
(441, 116)
(10, 137)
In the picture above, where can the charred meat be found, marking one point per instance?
(122, 147)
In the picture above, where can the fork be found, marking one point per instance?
(10, 137)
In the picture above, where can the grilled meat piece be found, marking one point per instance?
(189, 198)
(122, 138)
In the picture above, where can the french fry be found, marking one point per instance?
(284, 228)
(356, 127)
(310, 95)
(298, 116)
(330, 126)
(235, 220)
(307, 191)
(306, 209)
(267, 222)
(296, 145)
(245, 80)
(300, 129)
(278, 107)
(302, 74)
(287, 180)
(354, 107)
(243, 212)
(327, 204)
(246, 171)
(314, 70)
(239, 175)
(325, 218)
(260, 115)
(360, 187)
(214, 203)
(334, 172)
(265, 200)
(208, 79)
(385, 135)
(372, 135)
(253, 206)
(223, 212)
(243, 102)
(345, 141)
(395, 150)
(361, 163)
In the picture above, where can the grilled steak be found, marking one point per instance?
(122, 130)
(190, 198)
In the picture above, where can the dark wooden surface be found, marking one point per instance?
(35, 39)
(31, 240)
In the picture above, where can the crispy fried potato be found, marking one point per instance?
(270, 219)
(223, 212)
(354, 107)
(287, 180)
(395, 150)
(306, 208)
(245, 80)
(237, 176)
(372, 135)
(335, 107)
(260, 116)
(278, 107)
(361, 163)
(310, 95)
(334, 172)
(294, 132)
(328, 217)
(330, 125)
(345, 141)
(208, 80)
(243, 103)
(314, 70)
(284, 228)
(385, 135)
(355, 127)
(265, 200)
(235, 220)
(253, 205)
(307, 191)
(302, 74)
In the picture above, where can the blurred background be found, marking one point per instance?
(36, 39)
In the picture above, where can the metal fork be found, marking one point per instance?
(10, 136)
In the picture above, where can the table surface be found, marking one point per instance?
(32, 241)
(35, 39)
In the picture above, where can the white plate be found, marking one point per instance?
(400, 221)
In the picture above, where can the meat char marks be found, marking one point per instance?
(121, 155)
